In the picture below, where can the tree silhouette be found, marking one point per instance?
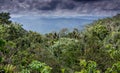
(4, 18)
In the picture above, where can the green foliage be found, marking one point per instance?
(66, 51)
(40, 67)
(8, 68)
(88, 67)
(25, 71)
(37, 67)
(63, 70)
(114, 69)
(2, 43)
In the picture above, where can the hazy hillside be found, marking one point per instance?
(47, 24)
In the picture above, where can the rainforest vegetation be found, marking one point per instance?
(95, 49)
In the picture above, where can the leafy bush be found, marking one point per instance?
(114, 69)
(40, 67)
(88, 67)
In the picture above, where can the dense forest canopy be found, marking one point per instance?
(96, 49)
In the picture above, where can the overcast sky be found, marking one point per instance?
(61, 7)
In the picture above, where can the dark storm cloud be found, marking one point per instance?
(65, 7)
(47, 5)
(1, 1)
(86, 0)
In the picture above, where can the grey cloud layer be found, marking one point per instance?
(106, 7)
